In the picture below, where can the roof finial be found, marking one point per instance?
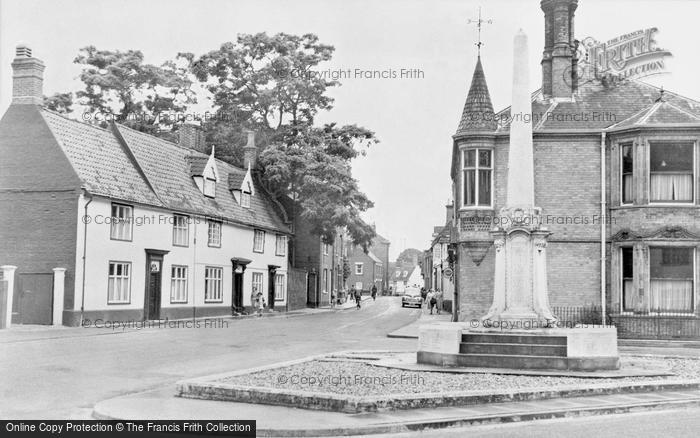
(478, 23)
(661, 95)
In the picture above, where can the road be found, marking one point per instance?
(65, 376)
(679, 423)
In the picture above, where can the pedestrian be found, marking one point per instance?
(438, 296)
(374, 292)
(260, 303)
(333, 298)
(352, 292)
(358, 297)
(423, 294)
(429, 299)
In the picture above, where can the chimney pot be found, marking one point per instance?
(27, 77)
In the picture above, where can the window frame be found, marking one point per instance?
(256, 233)
(212, 184)
(185, 280)
(176, 228)
(129, 221)
(253, 283)
(649, 144)
(476, 168)
(280, 286)
(622, 279)
(693, 297)
(361, 269)
(124, 263)
(280, 241)
(211, 222)
(220, 280)
(622, 173)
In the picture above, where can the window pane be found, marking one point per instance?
(470, 158)
(469, 187)
(627, 265)
(484, 187)
(627, 162)
(485, 158)
(672, 263)
(671, 157)
(671, 187)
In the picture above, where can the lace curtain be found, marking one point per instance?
(671, 295)
(671, 187)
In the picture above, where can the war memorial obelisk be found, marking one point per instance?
(520, 279)
(519, 331)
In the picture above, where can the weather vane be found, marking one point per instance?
(478, 23)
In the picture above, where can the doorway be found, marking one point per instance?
(154, 275)
(238, 266)
(34, 299)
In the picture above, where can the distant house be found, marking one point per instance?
(116, 225)
(406, 275)
(366, 269)
(380, 248)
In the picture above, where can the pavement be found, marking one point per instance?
(410, 331)
(282, 421)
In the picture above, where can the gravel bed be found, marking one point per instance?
(363, 379)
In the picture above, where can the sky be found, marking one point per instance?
(407, 173)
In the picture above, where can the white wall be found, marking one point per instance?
(155, 231)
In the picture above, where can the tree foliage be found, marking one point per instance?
(60, 102)
(268, 84)
(120, 86)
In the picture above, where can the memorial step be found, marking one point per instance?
(524, 349)
(498, 338)
(511, 361)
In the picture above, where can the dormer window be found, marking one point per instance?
(245, 199)
(209, 187)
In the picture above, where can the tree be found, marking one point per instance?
(120, 87)
(409, 255)
(60, 102)
(269, 84)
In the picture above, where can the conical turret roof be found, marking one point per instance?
(478, 111)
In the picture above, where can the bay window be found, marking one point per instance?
(477, 177)
(671, 172)
(671, 278)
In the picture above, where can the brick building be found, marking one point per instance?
(116, 225)
(616, 175)
(322, 261)
(366, 269)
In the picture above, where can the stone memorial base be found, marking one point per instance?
(576, 349)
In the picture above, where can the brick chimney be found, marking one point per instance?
(192, 137)
(27, 78)
(250, 151)
(559, 57)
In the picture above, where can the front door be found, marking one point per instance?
(34, 299)
(154, 268)
(311, 289)
(237, 298)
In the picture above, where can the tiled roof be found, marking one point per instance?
(152, 171)
(597, 107)
(659, 113)
(478, 114)
(381, 239)
(442, 237)
(235, 180)
(374, 258)
(197, 164)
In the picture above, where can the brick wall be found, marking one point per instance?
(296, 288)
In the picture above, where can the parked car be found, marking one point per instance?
(411, 297)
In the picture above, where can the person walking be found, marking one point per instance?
(423, 295)
(352, 292)
(430, 299)
(358, 297)
(438, 297)
(374, 292)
